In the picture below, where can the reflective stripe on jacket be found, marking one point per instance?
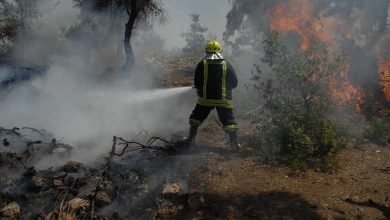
(214, 80)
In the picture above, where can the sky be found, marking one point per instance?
(212, 14)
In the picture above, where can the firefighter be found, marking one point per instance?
(214, 80)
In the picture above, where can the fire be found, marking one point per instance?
(300, 16)
(384, 75)
(343, 92)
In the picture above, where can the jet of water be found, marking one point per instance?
(153, 94)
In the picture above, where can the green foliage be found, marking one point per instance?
(378, 131)
(8, 27)
(15, 19)
(148, 39)
(194, 37)
(307, 145)
(293, 124)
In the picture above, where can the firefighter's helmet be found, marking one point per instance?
(213, 47)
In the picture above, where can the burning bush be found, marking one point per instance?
(293, 124)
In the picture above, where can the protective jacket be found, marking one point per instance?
(214, 81)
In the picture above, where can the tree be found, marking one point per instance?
(8, 25)
(136, 10)
(195, 36)
(15, 20)
(148, 39)
(294, 121)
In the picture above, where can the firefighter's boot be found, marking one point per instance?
(234, 145)
(192, 135)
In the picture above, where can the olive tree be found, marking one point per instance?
(135, 10)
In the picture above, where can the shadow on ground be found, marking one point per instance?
(370, 203)
(265, 205)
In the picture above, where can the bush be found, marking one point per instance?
(293, 126)
(378, 131)
(298, 140)
(303, 146)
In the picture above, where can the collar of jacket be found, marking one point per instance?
(213, 56)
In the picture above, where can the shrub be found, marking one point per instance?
(378, 131)
(293, 126)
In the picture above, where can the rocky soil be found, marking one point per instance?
(203, 182)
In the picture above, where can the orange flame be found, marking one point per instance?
(299, 16)
(343, 92)
(384, 75)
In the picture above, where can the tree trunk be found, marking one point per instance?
(132, 13)
(23, 31)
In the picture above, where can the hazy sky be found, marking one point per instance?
(212, 14)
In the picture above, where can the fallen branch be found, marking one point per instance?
(134, 145)
(36, 130)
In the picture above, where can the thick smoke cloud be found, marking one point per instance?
(361, 22)
(82, 97)
(358, 29)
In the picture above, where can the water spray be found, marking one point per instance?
(143, 95)
(153, 94)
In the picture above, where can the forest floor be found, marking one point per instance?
(239, 186)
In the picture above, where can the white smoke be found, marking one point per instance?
(79, 100)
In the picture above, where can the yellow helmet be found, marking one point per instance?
(213, 47)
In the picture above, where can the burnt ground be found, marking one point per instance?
(206, 181)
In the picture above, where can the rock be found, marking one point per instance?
(11, 211)
(103, 199)
(61, 151)
(58, 183)
(172, 191)
(72, 167)
(38, 182)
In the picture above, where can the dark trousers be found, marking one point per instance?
(200, 113)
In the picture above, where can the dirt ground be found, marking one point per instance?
(238, 186)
